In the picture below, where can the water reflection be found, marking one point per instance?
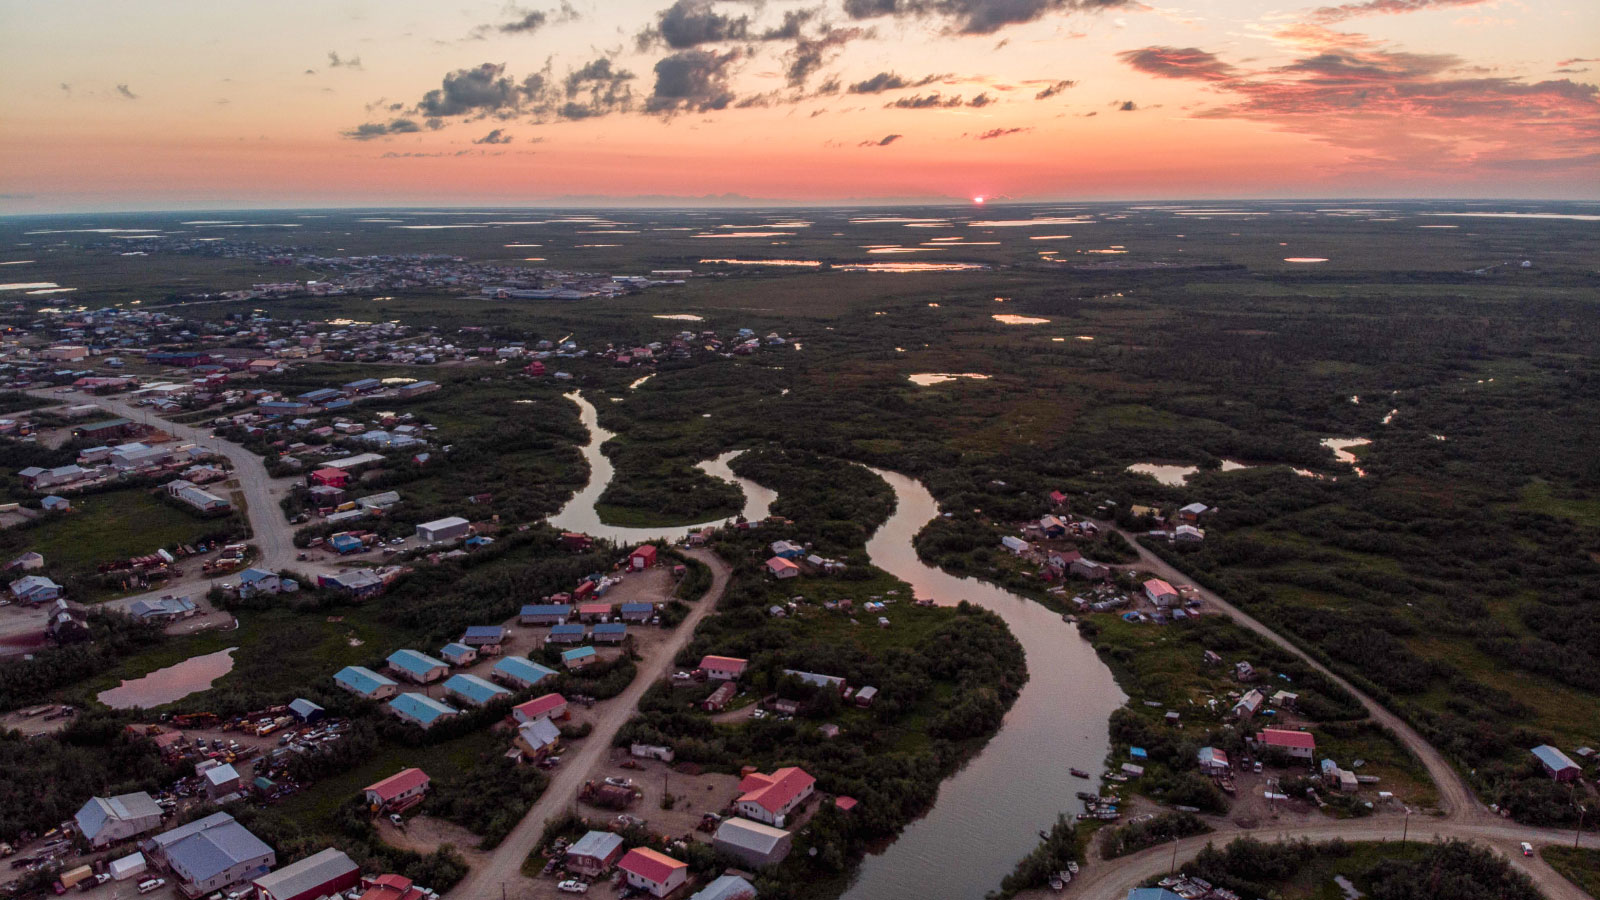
(172, 683)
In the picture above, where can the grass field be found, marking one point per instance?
(1579, 866)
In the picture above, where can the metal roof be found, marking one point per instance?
(205, 848)
(415, 662)
(1553, 757)
(750, 835)
(308, 874)
(523, 669)
(598, 844)
(421, 707)
(475, 689)
(361, 679)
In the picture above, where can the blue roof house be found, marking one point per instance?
(458, 654)
(473, 690)
(420, 709)
(520, 673)
(484, 635)
(612, 633)
(365, 683)
(566, 634)
(579, 657)
(417, 666)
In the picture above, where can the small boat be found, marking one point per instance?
(1079, 773)
(1085, 795)
(1057, 884)
(1072, 867)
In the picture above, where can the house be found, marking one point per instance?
(330, 477)
(594, 853)
(420, 709)
(723, 667)
(537, 739)
(866, 695)
(1089, 569)
(458, 655)
(566, 634)
(1213, 761)
(221, 781)
(752, 843)
(1285, 699)
(1247, 705)
(37, 479)
(1193, 512)
(612, 633)
(781, 568)
(726, 887)
(416, 666)
(363, 386)
(787, 550)
(771, 798)
(210, 853)
(305, 712)
(594, 612)
(34, 589)
(392, 887)
(545, 613)
(104, 821)
(657, 873)
(1556, 764)
(321, 874)
(1052, 527)
(53, 503)
(364, 682)
(572, 540)
(642, 557)
(398, 791)
(719, 698)
(1188, 534)
(27, 562)
(636, 612)
(259, 581)
(550, 706)
(820, 681)
(520, 673)
(1160, 593)
(446, 529)
(472, 690)
(577, 659)
(1014, 544)
(1243, 671)
(199, 498)
(166, 609)
(1298, 744)
(357, 583)
(484, 635)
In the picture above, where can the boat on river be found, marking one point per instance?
(1078, 773)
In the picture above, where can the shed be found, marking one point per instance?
(319, 875)
(642, 557)
(752, 843)
(446, 529)
(594, 853)
(305, 711)
(1556, 764)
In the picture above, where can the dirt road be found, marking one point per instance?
(504, 869)
(1455, 798)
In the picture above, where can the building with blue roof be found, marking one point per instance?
(417, 666)
(420, 709)
(612, 633)
(458, 654)
(210, 854)
(579, 657)
(321, 395)
(484, 635)
(364, 682)
(636, 612)
(546, 613)
(566, 634)
(473, 690)
(306, 711)
(520, 673)
(346, 543)
(363, 385)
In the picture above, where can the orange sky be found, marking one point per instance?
(163, 104)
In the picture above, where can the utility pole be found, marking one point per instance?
(1405, 832)
(1174, 866)
(1578, 834)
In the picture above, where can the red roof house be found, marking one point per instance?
(391, 887)
(1302, 744)
(771, 798)
(845, 804)
(655, 872)
(552, 706)
(1160, 592)
(399, 790)
(330, 477)
(724, 667)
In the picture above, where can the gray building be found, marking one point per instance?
(106, 820)
(211, 853)
(751, 842)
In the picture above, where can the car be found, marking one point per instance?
(571, 886)
(152, 884)
(398, 541)
(1527, 849)
(619, 782)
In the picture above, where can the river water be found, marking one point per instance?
(579, 514)
(989, 815)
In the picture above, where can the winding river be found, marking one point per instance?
(988, 815)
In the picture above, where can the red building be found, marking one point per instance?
(643, 558)
(320, 875)
(330, 477)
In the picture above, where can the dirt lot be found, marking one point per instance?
(695, 794)
(425, 834)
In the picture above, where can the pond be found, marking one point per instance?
(1341, 451)
(172, 683)
(1176, 475)
(928, 379)
(1012, 319)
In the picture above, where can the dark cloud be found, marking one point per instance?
(123, 90)
(596, 88)
(1578, 59)
(371, 130)
(1178, 62)
(692, 81)
(993, 133)
(885, 141)
(1126, 106)
(1330, 14)
(337, 62)
(497, 136)
(810, 54)
(793, 21)
(978, 16)
(889, 81)
(532, 20)
(66, 88)
(690, 23)
(1053, 89)
(934, 100)
(981, 100)
(485, 89)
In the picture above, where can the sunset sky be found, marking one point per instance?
(168, 105)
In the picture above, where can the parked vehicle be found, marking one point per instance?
(152, 884)
(1527, 849)
(572, 887)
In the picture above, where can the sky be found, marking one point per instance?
(163, 104)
